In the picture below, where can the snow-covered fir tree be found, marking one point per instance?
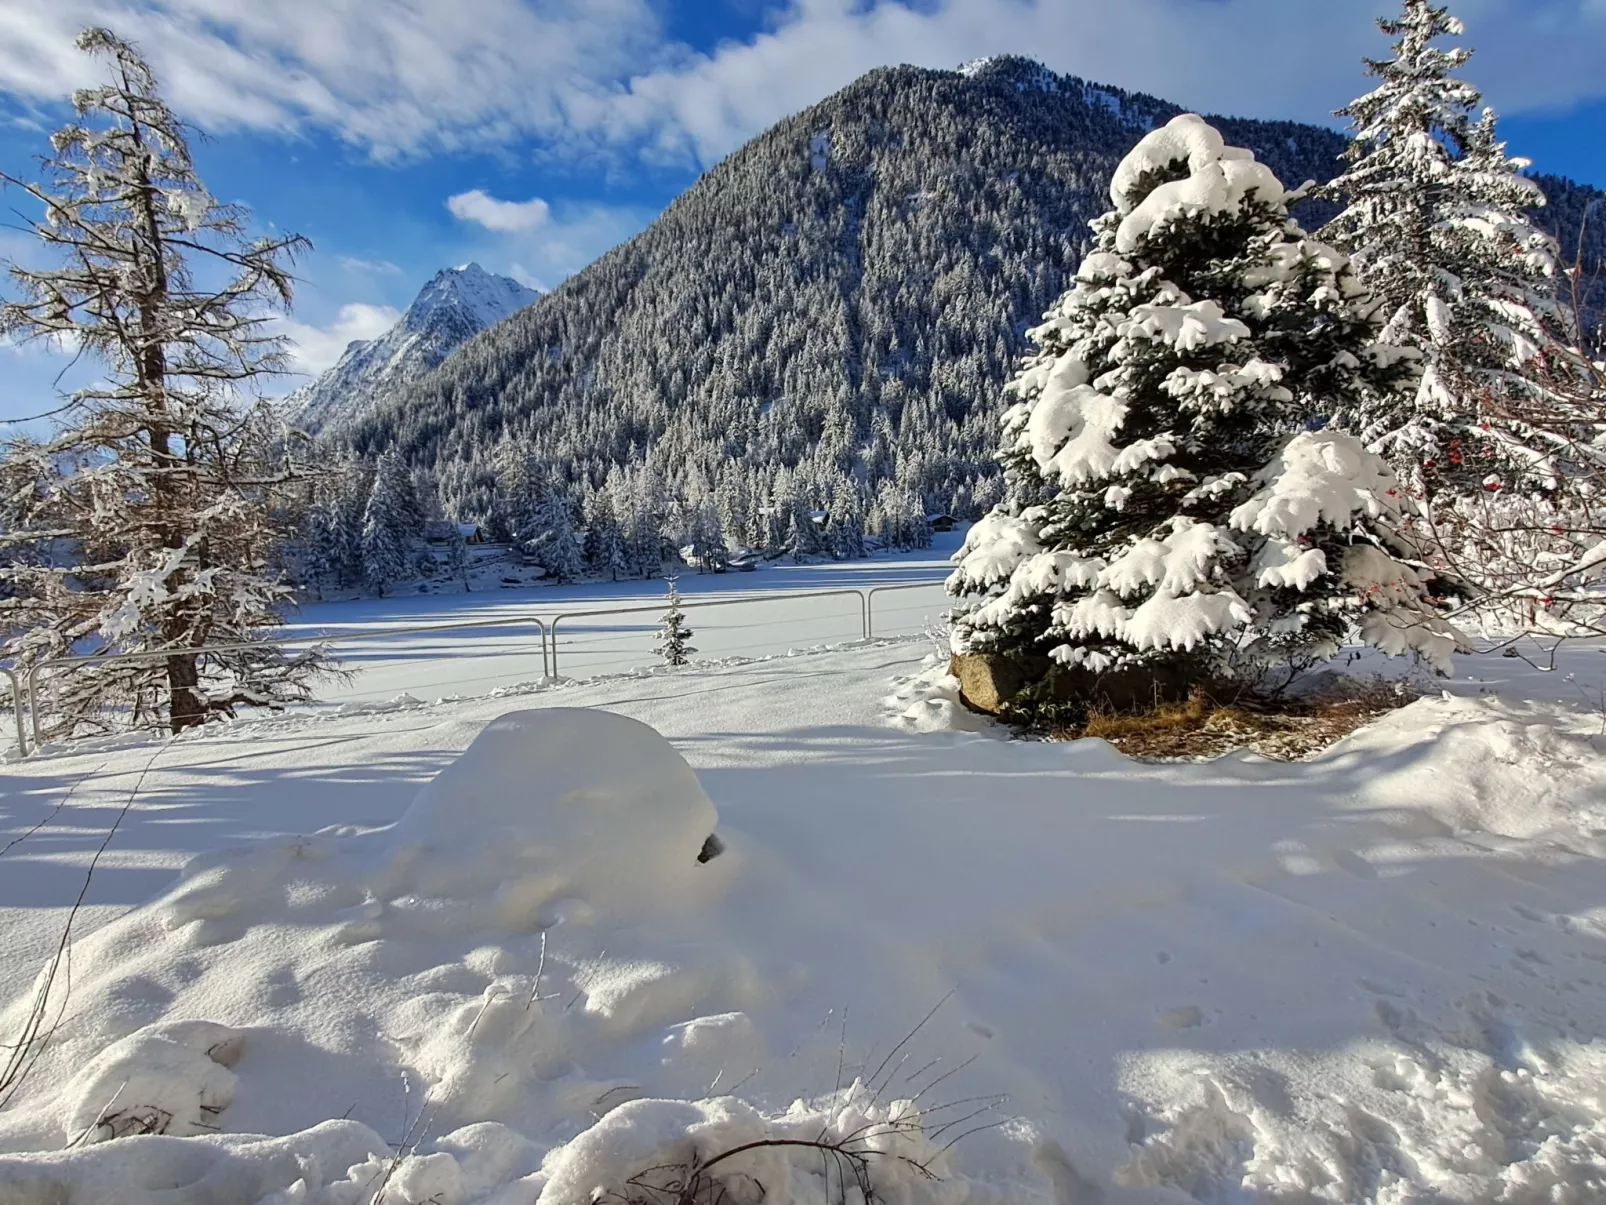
(844, 526)
(1437, 226)
(523, 492)
(557, 548)
(605, 546)
(898, 519)
(674, 637)
(147, 522)
(1163, 514)
(704, 534)
(388, 526)
(319, 568)
(346, 485)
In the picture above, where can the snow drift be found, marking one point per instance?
(540, 903)
(1375, 978)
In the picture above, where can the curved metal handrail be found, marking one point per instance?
(162, 654)
(869, 600)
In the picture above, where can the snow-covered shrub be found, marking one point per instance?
(672, 1152)
(1165, 506)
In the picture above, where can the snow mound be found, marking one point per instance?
(336, 1163)
(618, 828)
(929, 702)
(537, 899)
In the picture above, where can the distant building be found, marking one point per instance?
(447, 532)
(942, 522)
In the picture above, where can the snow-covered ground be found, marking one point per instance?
(476, 659)
(1376, 977)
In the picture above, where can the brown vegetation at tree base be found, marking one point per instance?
(1204, 726)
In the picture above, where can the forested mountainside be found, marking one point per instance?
(455, 305)
(1576, 215)
(839, 301)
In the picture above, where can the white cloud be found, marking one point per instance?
(572, 236)
(1260, 58)
(403, 77)
(480, 207)
(371, 267)
(315, 348)
(396, 76)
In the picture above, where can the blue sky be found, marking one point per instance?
(531, 135)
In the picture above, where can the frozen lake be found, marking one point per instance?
(499, 642)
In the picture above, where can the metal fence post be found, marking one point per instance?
(16, 709)
(874, 590)
(33, 701)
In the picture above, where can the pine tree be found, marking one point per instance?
(674, 637)
(1160, 516)
(802, 533)
(1436, 226)
(386, 529)
(706, 536)
(149, 517)
(523, 494)
(557, 549)
(845, 534)
(605, 541)
(319, 568)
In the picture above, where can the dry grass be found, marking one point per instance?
(1282, 729)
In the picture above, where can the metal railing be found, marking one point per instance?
(688, 604)
(869, 598)
(32, 678)
(25, 689)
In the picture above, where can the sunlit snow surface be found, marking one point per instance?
(1377, 977)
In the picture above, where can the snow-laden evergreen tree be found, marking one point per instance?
(557, 549)
(348, 485)
(149, 516)
(1437, 226)
(319, 527)
(457, 563)
(900, 519)
(674, 637)
(705, 536)
(1163, 515)
(845, 530)
(523, 495)
(641, 498)
(605, 549)
(387, 527)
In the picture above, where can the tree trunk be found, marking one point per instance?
(186, 707)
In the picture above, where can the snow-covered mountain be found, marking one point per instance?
(457, 304)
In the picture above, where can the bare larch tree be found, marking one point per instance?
(147, 522)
